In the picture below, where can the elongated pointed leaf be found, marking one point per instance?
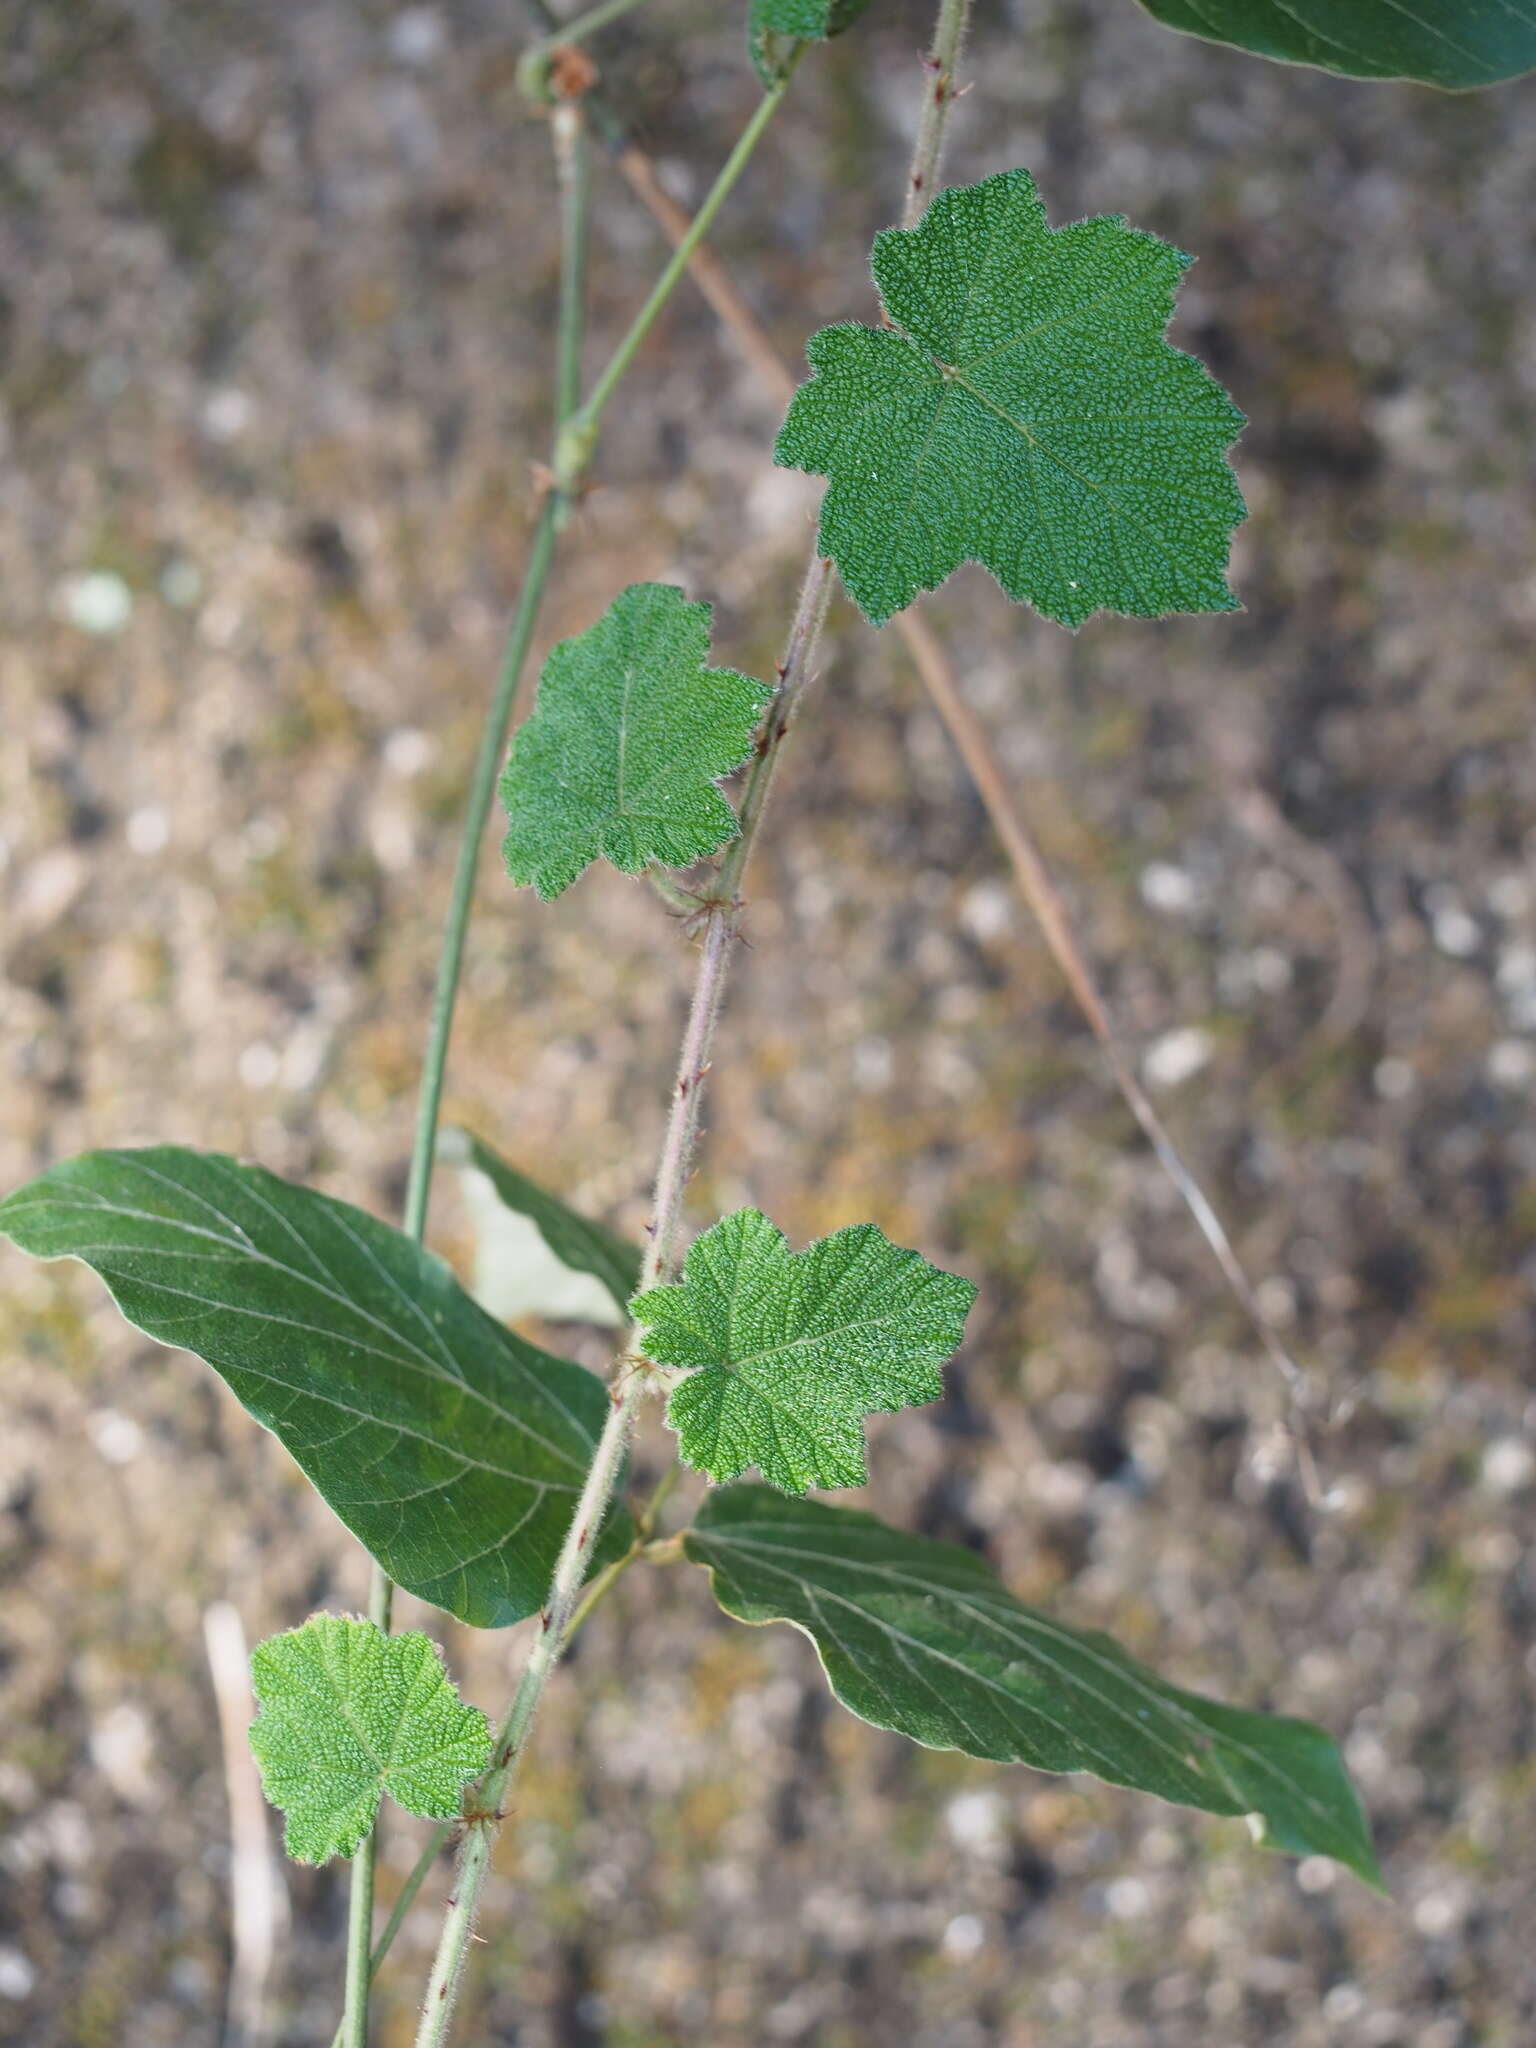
(1025, 412)
(534, 1255)
(348, 1713)
(451, 1448)
(1450, 43)
(920, 1637)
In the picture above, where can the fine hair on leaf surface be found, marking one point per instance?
(348, 1713)
(621, 755)
(1024, 411)
(787, 1352)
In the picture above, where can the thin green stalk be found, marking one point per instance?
(386, 1941)
(573, 451)
(565, 1595)
(942, 63)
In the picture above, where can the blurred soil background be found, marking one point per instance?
(277, 288)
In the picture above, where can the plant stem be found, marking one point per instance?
(678, 1143)
(573, 168)
(574, 450)
(942, 62)
(386, 1941)
(583, 25)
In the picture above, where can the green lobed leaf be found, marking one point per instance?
(621, 753)
(535, 1255)
(348, 1712)
(1450, 43)
(779, 27)
(787, 1352)
(1025, 412)
(452, 1449)
(920, 1637)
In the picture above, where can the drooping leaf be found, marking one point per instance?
(534, 1256)
(787, 1352)
(451, 1448)
(621, 754)
(348, 1712)
(1027, 413)
(920, 1637)
(779, 27)
(1450, 43)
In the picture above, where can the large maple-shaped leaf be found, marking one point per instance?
(621, 754)
(348, 1712)
(921, 1637)
(1453, 43)
(1024, 412)
(787, 1352)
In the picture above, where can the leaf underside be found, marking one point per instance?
(534, 1254)
(452, 1449)
(1450, 43)
(1026, 413)
(620, 756)
(787, 1352)
(347, 1713)
(920, 1637)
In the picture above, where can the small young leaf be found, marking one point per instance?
(1451, 43)
(780, 26)
(1026, 413)
(348, 1712)
(920, 1637)
(789, 1351)
(622, 751)
(534, 1256)
(452, 1449)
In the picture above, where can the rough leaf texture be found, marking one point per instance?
(1025, 413)
(534, 1254)
(1453, 43)
(920, 1637)
(620, 756)
(778, 27)
(347, 1713)
(789, 1351)
(452, 1449)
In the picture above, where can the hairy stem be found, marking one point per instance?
(942, 63)
(718, 940)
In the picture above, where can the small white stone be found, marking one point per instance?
(1167, 888)
(1394, 1079)
(17, 1975)
(1512, 1063)
(974, 1819)
(408, 751)
(97, 602)
(227, 413)
(1455, 932)
(1127, 1898)
(417, 35)
(148, 829)
(1316, 1874)
(986, 911)
(964, 1935)
(258, 1065)
(1177, 1056)
(1509, 1465)
(118, 1437)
